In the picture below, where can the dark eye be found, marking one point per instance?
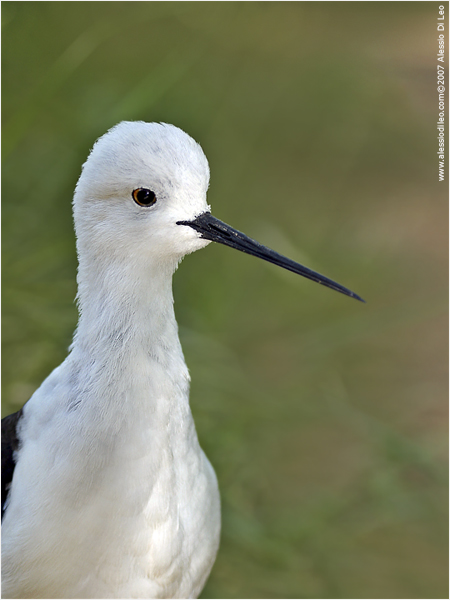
(144, 197)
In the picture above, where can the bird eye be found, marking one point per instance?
(144, 197)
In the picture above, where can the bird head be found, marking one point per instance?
(141, 200)
(138, 182)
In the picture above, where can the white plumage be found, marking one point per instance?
(108, 493)
(112, 496)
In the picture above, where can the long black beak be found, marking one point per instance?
(212, 229)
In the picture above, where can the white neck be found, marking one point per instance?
(126, 348)
(119, 301)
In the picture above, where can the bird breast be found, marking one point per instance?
(123, 507)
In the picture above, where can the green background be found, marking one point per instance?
(324, 418)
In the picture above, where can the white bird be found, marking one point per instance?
(107, 491)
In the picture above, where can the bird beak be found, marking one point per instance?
(214, 230)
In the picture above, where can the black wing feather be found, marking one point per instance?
(10, 443)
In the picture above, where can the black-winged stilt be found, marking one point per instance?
(107, 493)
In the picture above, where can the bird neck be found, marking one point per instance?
(126, 347)
(122, 305)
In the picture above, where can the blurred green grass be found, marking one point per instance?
(324, 419)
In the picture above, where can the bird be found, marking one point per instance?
(106, 492)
